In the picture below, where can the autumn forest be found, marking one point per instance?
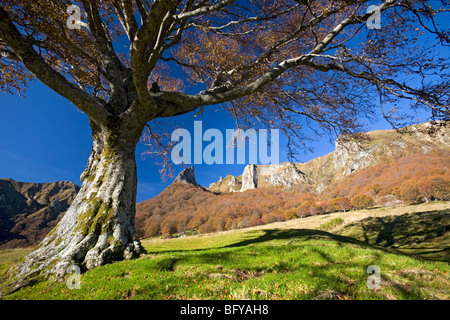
(185, 209)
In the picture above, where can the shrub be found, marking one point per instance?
(384, 192)
(426, 190)
(377, 188)
(341, 204)
(168, 227)
(290, 214)
(305, 209)
(314, 209)
(409, 192)
(154, 226)
(362, 201)
(324, 207)
(440, 188)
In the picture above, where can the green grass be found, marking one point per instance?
(423, 234)
(9, 257)
(331, 224)
(259, 264)
(293, 260)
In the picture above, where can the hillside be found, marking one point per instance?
(351, 155)
(297, 259)
(385, 168)
(182, 207)
(424, 234)
(423, 173)
(28, 211)
(377, 168)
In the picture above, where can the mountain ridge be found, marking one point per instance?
(28, 211)
(414, 160)
(351, 154)
(382, 168)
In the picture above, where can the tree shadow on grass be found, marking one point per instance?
(386, 238)
(423, 234)
(298, 235)
(293, 235)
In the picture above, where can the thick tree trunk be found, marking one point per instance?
(98, 228)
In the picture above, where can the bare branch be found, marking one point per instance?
(114, 67)
(203, 10)
(429, 13)
(190, 102)
(390, 85)
(9, 55)
(36, 65)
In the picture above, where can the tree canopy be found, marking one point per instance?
(311, 59)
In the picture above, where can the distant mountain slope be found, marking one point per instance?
(183, 208)
(28, 211)
(386, 168)
(391, 175)
(352, 154)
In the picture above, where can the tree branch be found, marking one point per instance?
(143, 44)
(143, 12)
(114, 67)
(126, 17)
(203, 10)
(92, 106)
(9, 55)
(179, 103)
(397, 89)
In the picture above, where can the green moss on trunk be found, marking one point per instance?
(96, 219)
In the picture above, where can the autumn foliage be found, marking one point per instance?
(411, 178)
(183, 208)
(362, 201)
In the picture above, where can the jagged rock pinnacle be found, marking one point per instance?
(187, 176)
(249, 177)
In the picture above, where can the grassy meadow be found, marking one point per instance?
(319, 257)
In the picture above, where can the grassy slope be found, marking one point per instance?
(289, 260)
(424, 234)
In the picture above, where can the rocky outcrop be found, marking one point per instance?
(349, 156)
(249, 178)
(28, 211)
(233, 184)
(187, 176)
(228, 184)
(352, 153)
(282, 175)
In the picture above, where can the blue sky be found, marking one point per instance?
(44, 138)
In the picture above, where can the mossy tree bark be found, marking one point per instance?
(98, 228)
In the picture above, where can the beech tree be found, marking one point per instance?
(277, 64)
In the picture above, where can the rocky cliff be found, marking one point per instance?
(28, 211)
(187, 176)
(351, 154)
(249, 178)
